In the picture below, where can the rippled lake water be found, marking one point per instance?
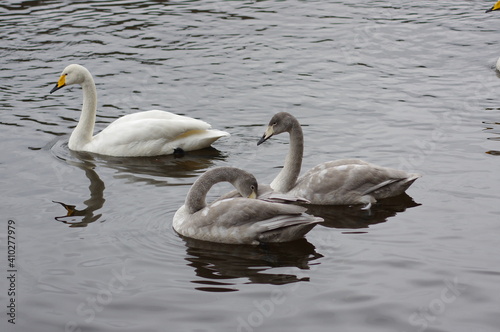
(403, 84)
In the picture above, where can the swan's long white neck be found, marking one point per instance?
(84, 131)
(288, 176)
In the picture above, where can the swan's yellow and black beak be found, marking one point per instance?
(60, 83)
(267, 135)
(495, 7)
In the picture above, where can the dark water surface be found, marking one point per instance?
(403, 84)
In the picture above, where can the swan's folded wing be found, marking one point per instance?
(253, 221)
(286, 227)
(390, 186)
(370, 179)
(289, 220)
(153, 133)
(161, 115)
(345, 184)
(266, 193)
(336, 177)
(234, 212)
(244, 220)
(275, 197)
(141, 127)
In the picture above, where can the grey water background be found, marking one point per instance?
(404, 84)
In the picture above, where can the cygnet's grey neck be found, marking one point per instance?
(195, 199)
(288, 176)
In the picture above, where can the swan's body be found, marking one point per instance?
(497, 65)
(340, 182)
(239, 220)
(149, 133)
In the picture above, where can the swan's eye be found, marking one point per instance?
(252, 187)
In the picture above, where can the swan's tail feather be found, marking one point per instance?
(392, 187)
(288, 228)
(199, 139)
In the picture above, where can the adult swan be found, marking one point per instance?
(241, 220)
(340, 182)
(149, 133)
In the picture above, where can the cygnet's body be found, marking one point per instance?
(340, 182)
(239, 220)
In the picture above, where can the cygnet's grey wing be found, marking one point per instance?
(394, 186)
(266, 193)
(243, 220)
(346, 183)
(241, 211)
(287, 228)
(275, 197)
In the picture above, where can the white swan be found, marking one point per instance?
(149, 133)
(496, 6)
(340, 182)
(242, 220)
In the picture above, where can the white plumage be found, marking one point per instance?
(148, 133)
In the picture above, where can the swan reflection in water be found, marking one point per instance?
(218, 265)
(135, 169)
(142, 168)
(94, 203)
(354, 217)
(151, 170)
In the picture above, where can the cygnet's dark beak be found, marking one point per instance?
(267, 135)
